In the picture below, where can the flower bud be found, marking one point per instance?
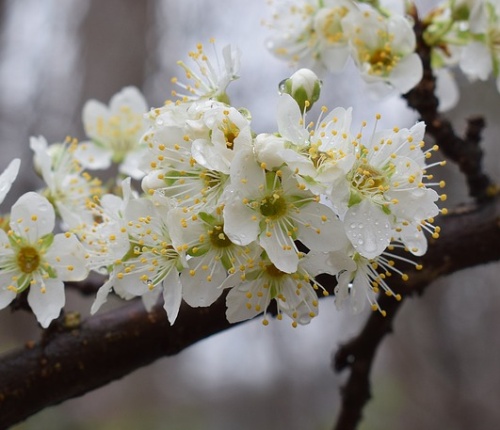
(304, 86)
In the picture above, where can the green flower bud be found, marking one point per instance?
(304, 86)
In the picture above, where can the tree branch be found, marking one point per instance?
(469, 237)
(72, 360)
(465, 152)
(77, 358)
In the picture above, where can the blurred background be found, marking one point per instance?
(441, 366)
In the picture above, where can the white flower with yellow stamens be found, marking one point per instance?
(211, 255)
(386, 191)
(384, 51)
(319, 153)
(106, 237)
(174, 173)
(310, 32)
(31, 256)
(115, 131)
(210, 80)
(273, 208)
(295, 293)
(367, 278)
(228, 132)
(69, 188)
(151, 266)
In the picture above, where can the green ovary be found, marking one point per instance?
(218, 238)
(273, 206)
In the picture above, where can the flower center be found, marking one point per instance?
(231, 132)
(28, 259)
(382, 60)
(273, 271)
(218, 238)
(369, 180)
(273, 206)
(211, 178)
(330, 24)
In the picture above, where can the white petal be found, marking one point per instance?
(150, 298)
(128, 96)
(368, 228)
(8, 177)
(197, 290)
(316, 263)
(101, 296)
(42, 159)
(358, 292)
(172, 295)
(46, 299)
(342, 288)
(268, 148)
(239, 225)
(447, 90)
(407, 73)
(67, 256)
(280, 249)
(247, 176)
(236, 302)
(32, 216)
(476, 62)
(6, 295)
(325, 233)
(131, 165)
(289, 120)
(91, 156)
(210, 156)
(414, 239)
(416, 206)
(94, 112)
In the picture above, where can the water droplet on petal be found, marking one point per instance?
(281, 86)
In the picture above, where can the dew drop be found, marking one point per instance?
(281, 86)
(352, 225)
(360, 241)
(360, 225)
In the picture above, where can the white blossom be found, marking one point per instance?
(115, 132)
(32, 257)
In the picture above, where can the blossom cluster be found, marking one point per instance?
(464, 34)
(220, 207)
(381, 41)
(326, 34)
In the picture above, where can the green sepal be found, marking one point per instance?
(47, 240)
(208, 218)
(354, 199)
